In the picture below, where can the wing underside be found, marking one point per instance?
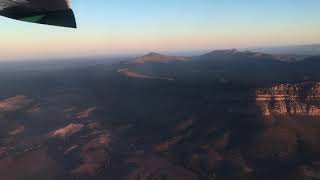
(50, 12)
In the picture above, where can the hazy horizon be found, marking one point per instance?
(132, 28)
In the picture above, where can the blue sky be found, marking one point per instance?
(109, 27)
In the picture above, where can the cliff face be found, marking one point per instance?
(301, 99)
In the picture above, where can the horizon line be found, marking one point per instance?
(189, 52)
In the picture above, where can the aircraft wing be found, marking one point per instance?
(50, 12)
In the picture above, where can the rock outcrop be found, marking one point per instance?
(94, 156)
(86, 113)
(301, 99)
(15, 103)
(67, 131)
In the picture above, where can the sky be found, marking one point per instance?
(115, 27)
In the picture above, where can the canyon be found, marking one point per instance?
(221, 115)
(300, 99)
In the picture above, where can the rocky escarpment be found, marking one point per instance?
(301, 99)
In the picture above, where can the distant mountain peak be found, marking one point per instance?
(160, 58)
(154, 54)
(222, 52)
(231, 52)
(235, 52)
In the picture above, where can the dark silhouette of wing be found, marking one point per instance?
(38, 11)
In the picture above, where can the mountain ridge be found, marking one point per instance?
(229, 64)
(162, 58)
(159, 58)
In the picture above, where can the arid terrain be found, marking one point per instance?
(224, 115)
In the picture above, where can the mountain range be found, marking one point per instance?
(223, 115)
(228, 64)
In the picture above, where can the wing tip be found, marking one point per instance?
(62, 18)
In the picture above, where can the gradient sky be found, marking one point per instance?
(111, 27)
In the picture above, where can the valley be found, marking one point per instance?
(223, 115)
